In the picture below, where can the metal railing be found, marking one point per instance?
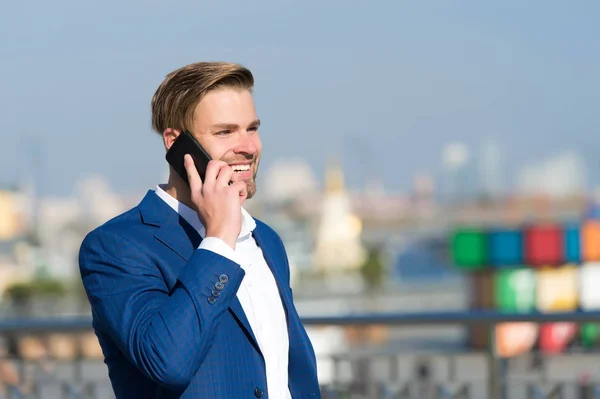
(359, 372)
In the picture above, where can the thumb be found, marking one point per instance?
(243, 194)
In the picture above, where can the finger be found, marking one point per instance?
(240, 188)
(243, 195)
(224, 177)
(192, 174)
(212, 171)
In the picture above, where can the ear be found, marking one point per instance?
(169, 136)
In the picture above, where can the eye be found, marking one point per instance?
(253, 129)
(223, 133)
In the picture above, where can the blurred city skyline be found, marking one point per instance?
(387, 87)
(426, 106)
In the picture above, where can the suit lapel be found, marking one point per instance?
(180, 237)
(235, 306)
(269, 250)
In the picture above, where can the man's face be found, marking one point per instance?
(226, 125)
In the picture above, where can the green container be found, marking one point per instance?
(515, 290)
(590, 334)
(469, 249)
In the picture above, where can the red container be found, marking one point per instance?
(555, 337)
(544, 246)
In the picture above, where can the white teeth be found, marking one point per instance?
(241, 168)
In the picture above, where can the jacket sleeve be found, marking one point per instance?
(164, 333)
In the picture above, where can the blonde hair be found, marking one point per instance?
(176, 98)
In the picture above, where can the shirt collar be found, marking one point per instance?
(190, 215)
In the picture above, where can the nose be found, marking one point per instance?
(247, 144)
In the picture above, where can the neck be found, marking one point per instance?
(178, 189)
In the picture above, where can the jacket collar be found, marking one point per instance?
(173, 230)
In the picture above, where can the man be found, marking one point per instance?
(190, 295)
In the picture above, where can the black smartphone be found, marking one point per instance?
(187, 144)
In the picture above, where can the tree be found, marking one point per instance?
(373, 269)
(22, 293)
(373, 273)
(19, 293)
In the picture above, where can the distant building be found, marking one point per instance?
(13, 230)
(12, 217)
(456, 158)
(43, 235)
(287, 180)
(491, 170)
(338, 244)
(558, 176)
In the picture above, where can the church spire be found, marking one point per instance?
(338, 244)
(334, 177)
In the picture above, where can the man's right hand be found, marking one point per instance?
(218, 204)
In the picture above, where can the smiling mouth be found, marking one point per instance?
(241, 168)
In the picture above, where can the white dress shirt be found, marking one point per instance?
(258, 294)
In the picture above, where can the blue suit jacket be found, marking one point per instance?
(149, 288)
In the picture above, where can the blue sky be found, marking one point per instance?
(395, 79)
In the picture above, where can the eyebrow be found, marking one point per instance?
(233, 126)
